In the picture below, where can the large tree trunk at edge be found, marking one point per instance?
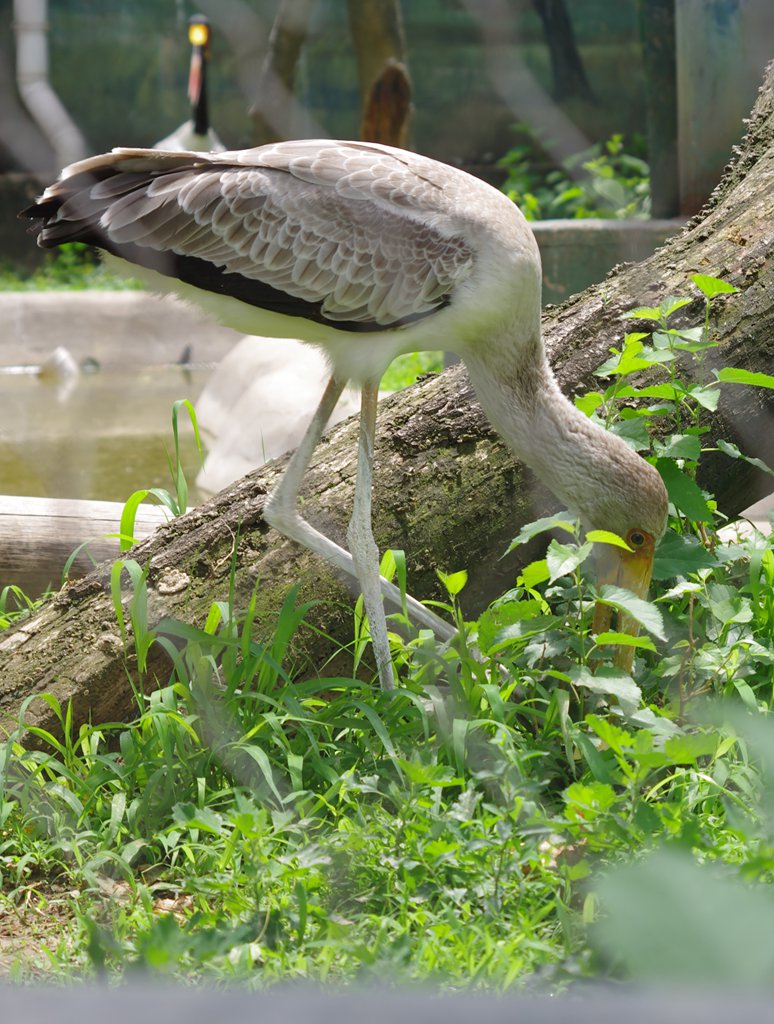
(446, 490)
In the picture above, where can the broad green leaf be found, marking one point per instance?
(671, 304)
(680, 589)
(686, 339)
(606, 537)
(296, 771)
(684, 493)
(687, 748)
(624, 640)
(214, 618)
(380, 729)
(712, 286)
(563, 559)
(523, 630)
(728, 605)
(261, 759)
(679, 446)
(746, 693)
(706, 397)
(646, 718)
(589, 402)
(678, 555)
(733, 375)
(659, 313)
(533, 574)
(733, 452)
(694, 346)
(561, 521)
(559, 707)
(670, 392)
(590, 799)
(690, 334)
(614, 736)
(117, 812)
(657, 355)
(647, 614)
(634, 432)
(643, 313)
(607, 680)
(203, 818)
(627, 360)
(493, 620)
(435, 775)
(515, 610)
(394, 564)
(454, 582)
(597, 761)
(130, 851)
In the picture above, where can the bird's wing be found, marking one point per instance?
(343, 233)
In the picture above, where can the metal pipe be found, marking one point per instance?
(48, 111)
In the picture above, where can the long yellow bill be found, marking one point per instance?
(629, 569)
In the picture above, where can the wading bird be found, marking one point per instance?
(196, 135)
(367, 252)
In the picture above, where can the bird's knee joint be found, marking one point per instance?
(279, 514)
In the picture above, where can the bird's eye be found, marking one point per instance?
(636, 539)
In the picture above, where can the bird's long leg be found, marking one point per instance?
(281, 512)
(281, 507)
(362, 546)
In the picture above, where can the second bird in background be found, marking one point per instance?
(196, 135)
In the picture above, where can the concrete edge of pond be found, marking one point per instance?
(115, 328)
(578, 253)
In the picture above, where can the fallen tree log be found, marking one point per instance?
(446, 490)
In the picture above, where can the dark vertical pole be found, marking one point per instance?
(657, 31)
(567, 69)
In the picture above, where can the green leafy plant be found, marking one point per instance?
(15, 605)
(72, 266)
(262, 821)
(614, 183)
(175, 500)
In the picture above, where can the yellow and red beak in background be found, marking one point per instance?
(630, 568)
(198, 32)
(198, 37)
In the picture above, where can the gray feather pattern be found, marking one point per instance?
(355, 228)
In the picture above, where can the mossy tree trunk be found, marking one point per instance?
(446, 490)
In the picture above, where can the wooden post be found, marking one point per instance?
(385, 87)
(657, 31)
(38, 535)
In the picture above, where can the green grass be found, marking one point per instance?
(407, 369)
(507, 818)
(72, 266)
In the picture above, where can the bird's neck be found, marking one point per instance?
(197, 91)
(573, 456)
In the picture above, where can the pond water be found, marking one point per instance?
(99, 435)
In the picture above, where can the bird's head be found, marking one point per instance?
(638, 515)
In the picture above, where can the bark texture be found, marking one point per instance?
(446, 490)
(385, 86)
